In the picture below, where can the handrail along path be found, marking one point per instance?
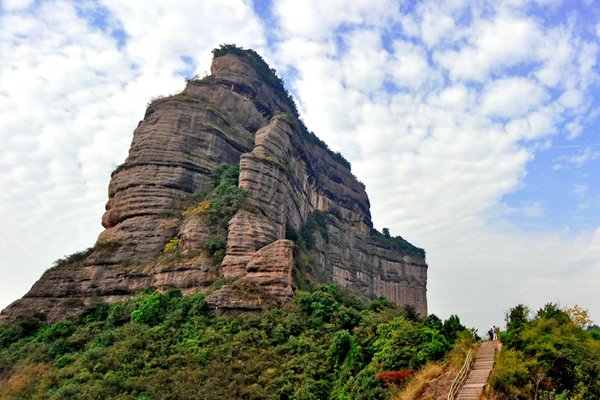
(472, 388)
(461, 376)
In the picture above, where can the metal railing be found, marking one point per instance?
(460, 378)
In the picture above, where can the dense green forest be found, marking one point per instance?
(550, 356)
(328, 344)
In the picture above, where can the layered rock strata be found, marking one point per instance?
(239, 114)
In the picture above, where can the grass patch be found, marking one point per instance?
(101, 245)
(415, 386)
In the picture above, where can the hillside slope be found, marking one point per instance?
(326, 345)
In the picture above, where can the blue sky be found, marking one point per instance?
(473, 124)
(561, 187)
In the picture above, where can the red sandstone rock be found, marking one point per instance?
(235, 115)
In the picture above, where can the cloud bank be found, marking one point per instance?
(450, 112)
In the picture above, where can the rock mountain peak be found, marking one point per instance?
(226, 192)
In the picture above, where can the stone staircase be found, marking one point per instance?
(477, 379)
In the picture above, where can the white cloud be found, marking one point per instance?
(536, 125)
(556, 53)
(587, 60)
(315, 19)
(409, 25)
(436, 25)
(15, 5)
(512, 97)
(472, 84)
(71, 96)
(527, 209)
(506, 41)
(409, 67)
(573, 129)
(578, 160)
(570, 99)
(458, 98)
(435, 158)
(532, 269)
(361, 64)
(548, 2)
(160, 33)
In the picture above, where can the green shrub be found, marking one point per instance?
(397, 243)
(150, 309)
(96, 314)
(73, 258)
(367, 386)
(396, 346)
(117, 315)
(225, 197)
(345, 350)
(217, 207)
(59, 330)
(315, 223)
(63, 360)
(165, 345)
(511, 376)
(23, 327)
(546, 357)
(215, 248)
(107, 245)
(172, 246)
(434, 346)
(452, 328)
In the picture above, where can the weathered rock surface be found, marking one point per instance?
(271, 268)
(66, 291)
(238, 114)
(287, 178)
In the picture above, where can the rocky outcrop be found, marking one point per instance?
(287, 178)
(238, 114)
(266, 281)
(66, 291)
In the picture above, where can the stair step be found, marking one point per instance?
(478, 377)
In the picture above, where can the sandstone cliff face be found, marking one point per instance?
(239, 114)
(288, 178)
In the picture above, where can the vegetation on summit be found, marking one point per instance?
(397, 243)
(269, 75)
